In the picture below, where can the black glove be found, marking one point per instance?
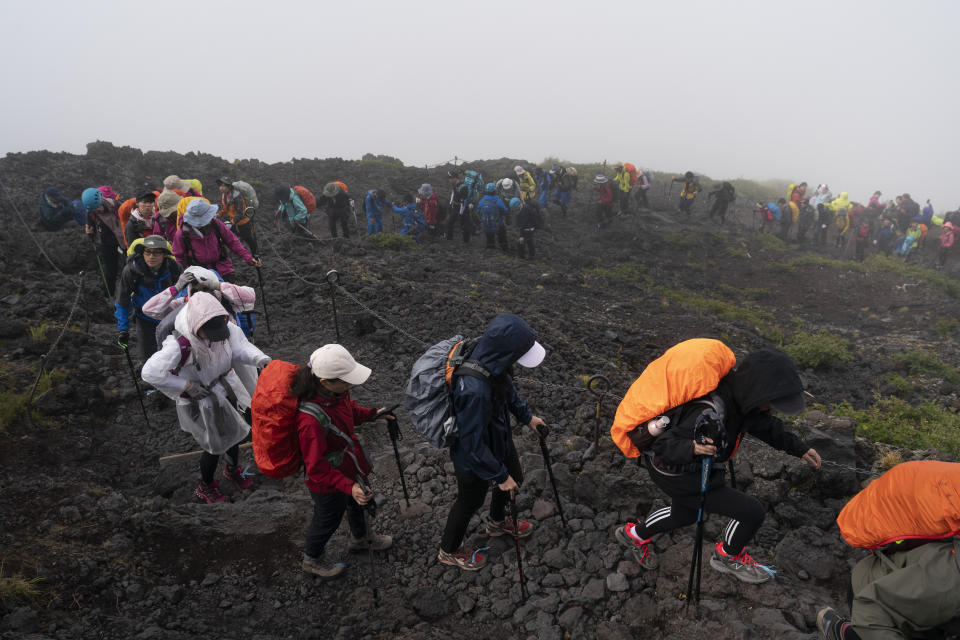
(123, 339)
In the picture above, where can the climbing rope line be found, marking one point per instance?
(16, 210)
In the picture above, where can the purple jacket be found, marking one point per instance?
(205, 251)
(166, 227)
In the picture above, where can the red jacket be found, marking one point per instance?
(317, 442)
(431, 208)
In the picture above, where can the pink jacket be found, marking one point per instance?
(205, 250)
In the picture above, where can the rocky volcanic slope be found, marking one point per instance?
(124, 551)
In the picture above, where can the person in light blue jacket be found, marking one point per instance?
(413, 220)
(291, 206)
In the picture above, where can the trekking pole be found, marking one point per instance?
(133, 375)
(103, 275)
(353, 210)
(393, 428)
(597, 385)
(369, 513)
(516, 544)
(263, 298)
(544, 432)
(333, 278)
(696, 564)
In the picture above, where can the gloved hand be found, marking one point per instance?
(123, 339)
(185, 280)
(263, 362)
(196, 391)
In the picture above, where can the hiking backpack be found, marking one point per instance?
(472, 180)
(632, 170)
(685, 372)
(248, 194)
(489, 214)
(276, 444)
(428, 397)
(308, 200)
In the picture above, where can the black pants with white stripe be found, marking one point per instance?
(746, 512)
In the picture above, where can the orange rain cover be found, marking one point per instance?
(276, 444)
(684, 372)
(913, 500)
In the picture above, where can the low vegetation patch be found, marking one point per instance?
(626, 271)
(393, 242)
(887, 264)
(819, 349)
(924, 362)
(17, 589)
(894, 421)
(763, 321)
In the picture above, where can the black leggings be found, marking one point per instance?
(248, 233)
(328, 509)
(745, 512)
(471, 492)
(338, 216)
(209, 462)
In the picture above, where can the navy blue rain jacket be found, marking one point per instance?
(484, 428)
(139, 283)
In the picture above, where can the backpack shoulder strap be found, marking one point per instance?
(184, 345)
(473, 369)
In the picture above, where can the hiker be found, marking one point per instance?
(641, 188)
(863, 238)
(183, 188)
(528, 186)
(238, 213)
(291, 206)
(874, 202)
(688, 192)
(724, 194)
(484, 453)
(429, 201)
(910, 240)
(786, 217)
(948, 236)
(909, 210)
(196, 369)
(563, 183)
(492, 211)
(820, 202)
(461, 209)
(621, 181)
(164, 220)
(140, 222)
(335, 463)
(413, 222)
(763, 383)
(55, 209)
(528, 219)
(203, 239)
(373, 204)
(151, 270)
(507, 189)
(103, 226)
(544, 180)
(804, 222)
(601, 184)
(770, 214)
(337, 202)
(909, 585)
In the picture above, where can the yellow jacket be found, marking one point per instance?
(528, 187)
(622, 179)
(843, 202)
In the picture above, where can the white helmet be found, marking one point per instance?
(518, 170)
(507, 184)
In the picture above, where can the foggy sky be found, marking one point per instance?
(856, 94)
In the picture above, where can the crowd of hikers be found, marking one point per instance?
(683, 419)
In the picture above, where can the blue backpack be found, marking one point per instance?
(473, 181)
(490, 214)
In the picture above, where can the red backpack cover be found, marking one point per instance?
(276, 445)
(308, 200)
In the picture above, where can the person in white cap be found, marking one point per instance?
(484, 453)
(334, 459)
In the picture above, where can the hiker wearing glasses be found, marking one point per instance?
(711, 426)
(149, 271)
(484, 453)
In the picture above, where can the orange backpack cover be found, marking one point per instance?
(683, 373)
(308, 200)
(276, 445)
(342, 186)
(632, 170)
(913, 500)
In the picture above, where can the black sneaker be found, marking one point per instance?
(831, 624)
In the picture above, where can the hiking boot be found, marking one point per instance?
(239, 477)
(209, 493)
(740, 566)
(505, 527)
(831, 624)
(463, 559)
(375, 541)
(318, 567)
(642, 553)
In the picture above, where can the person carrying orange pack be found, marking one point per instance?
(909, 586)
(236, 211)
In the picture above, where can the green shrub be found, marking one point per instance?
(902, 386)
(818, 349)
(918, 361)
(17, 589)
(681, 241)
(770, 242)
(626, 271)
(894, 421)
(393, 242)
(945, 326)
(764, 322)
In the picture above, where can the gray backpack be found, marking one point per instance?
(249, 194)
(428, 397)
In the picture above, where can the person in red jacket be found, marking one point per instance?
(334, 460)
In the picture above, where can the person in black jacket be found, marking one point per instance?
(337, 203)
(765, 382)
(724, 194)
(528, 219)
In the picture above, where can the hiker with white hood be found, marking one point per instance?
(196, 368)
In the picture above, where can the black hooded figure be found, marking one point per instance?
(744, 401)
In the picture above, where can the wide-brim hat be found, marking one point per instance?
(331, 189)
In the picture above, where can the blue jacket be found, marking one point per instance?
(138, 284)
(492, 212)
(485, 439)
(54, 216)
(373, 206)
(413, 220)
(295, 210)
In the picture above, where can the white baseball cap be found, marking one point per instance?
(332, 361)
(533, 357)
